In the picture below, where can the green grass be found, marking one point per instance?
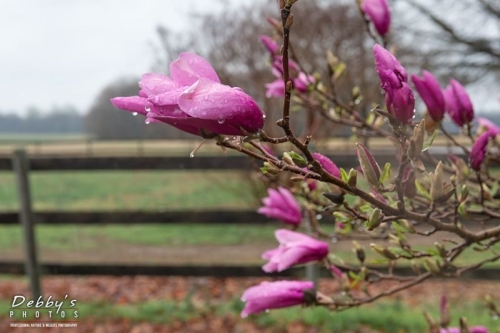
(29, 138)
(71, 237)
(147, 190)
(385, 316)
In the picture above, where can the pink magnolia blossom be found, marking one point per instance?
(273, 295)
(301, 81)
(430, 91)
(327, 165)
(193, 100)
(399, 97)
(478, 150)
(379, 13)
(488, 125)
(270, 44)
(474, 329)
(280, 204)
(458, 103)
(295, 248)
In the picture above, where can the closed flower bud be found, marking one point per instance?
(432, 265)
(430, 91)
(375, 219)
(379, 14)
(288, 159)
(327, 165)
(458, 103)
(352, 178)
(369, 166)
(437, 182)
(478, 150)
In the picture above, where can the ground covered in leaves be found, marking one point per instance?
(174, 304)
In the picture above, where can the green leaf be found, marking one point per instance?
(430, 140)
(298, 159)
(386, 173)
(264, 170)
(494, 189)
(344, 174)
(422, 190)
(461, 209)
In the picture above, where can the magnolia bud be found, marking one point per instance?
(432, 266)
(383, 251)
(441, 249)
(375, 219)
(289, 21)
(288, 159)
(352, 179)
(370, 168)
(437, 182)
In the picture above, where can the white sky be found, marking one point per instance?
(59, 52)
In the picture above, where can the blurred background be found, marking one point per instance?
(109, 191)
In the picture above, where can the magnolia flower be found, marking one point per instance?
(475, 329)
(301, 81)
(458, 103)
(487, 125)
(193, 100)
(270, 44)
(280, 204)
(379, 13)
(295, 248)
(272, 295)
(478, 150)
(327, 165)
(399, 97)
(430, 91)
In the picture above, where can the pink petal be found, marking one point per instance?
(231, 106)
(154, 84)
(190, 67)
(132, 104)
(285, 236)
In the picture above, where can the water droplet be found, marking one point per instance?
(221, 121)
(147, 108)
(319, 217)
(494, 317)
(267, 310)
(134, 113)
(147, 122)
(191, 154)
(334, 239)
(264, 116)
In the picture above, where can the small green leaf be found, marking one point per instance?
(386, 173)
(430, 140)
(494, 189)
(461, 209)
(344, 174)
(264, 170)
(422, 190)
(298, 159)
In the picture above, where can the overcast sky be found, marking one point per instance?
(59, 52)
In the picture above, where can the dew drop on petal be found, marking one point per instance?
(267, 310)
(206, 98)
(147, 122)
(221, 121)
(147, 108)
(134, 113)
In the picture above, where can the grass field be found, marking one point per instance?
(115, 190)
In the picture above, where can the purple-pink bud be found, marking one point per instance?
(488, 125)
(327, 165)
(401, 103)
(478, 150)
(429, 90)
(389, 69)
(379, 13)
(194, 100)
(273, 295)
(458, 103)
(474, 329)
(280, 204)
(295, 248)
(399, 97)
(269, 43)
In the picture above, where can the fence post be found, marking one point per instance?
(21, 168)
(312, 269)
